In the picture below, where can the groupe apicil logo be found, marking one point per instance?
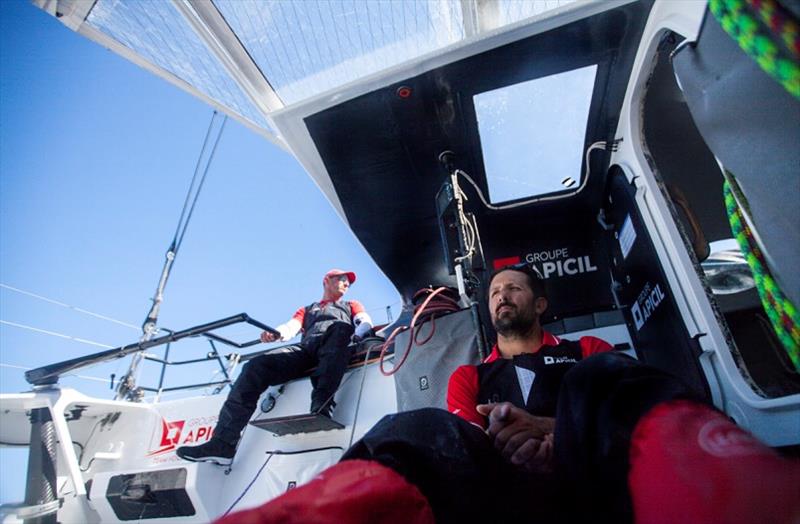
(551, 263)
(179, 432)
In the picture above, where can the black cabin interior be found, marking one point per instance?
(381, 151)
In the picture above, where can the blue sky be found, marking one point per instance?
(95, 158)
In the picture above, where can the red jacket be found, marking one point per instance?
(465, 386)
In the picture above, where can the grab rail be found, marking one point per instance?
(50, 374)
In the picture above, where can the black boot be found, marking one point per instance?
(325, 409)
(215, 450)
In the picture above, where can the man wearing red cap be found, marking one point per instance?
(327, 327)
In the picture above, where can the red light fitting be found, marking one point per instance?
(403, 91)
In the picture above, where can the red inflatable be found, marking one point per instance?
(691, 464)
(351, 492)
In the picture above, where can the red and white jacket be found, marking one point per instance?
(529, 381)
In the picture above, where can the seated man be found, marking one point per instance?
(573, 433)
(525, 367)
(327, 327)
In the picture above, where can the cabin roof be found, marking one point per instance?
(253, 58)
(322, 80)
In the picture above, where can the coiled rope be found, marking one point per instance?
(780, 310)
(767, 33)
(437, 302)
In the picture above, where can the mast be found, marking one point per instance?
(127, 388)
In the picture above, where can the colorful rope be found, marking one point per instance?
(781, 312)
(780, 22)
(755, 38)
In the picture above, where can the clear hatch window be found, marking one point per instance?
(532, 134)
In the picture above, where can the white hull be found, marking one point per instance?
(113, 438)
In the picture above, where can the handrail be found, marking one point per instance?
(215, 355)
(50, 374)
(189, 386)
(209, 356)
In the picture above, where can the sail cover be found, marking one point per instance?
(250, 58)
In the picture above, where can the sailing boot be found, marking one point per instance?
(325, 409)
(216, 451)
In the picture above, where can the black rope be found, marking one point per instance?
(243, 493)
(270, 455)
(301, 451)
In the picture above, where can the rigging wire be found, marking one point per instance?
(194, 177)
(53, 333)
(84, 377)
(73, 308)
(202, 181)
(149, 326)
(127, 386)
(68, 306)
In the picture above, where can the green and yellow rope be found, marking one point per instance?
(779, 21)
(781, 312)
(771, 42)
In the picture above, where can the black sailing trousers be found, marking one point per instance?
(465, 479)
(327, 351)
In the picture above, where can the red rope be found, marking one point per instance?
(444, 304)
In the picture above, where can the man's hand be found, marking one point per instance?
(267, 337)
(285, 331)
(523, 439)
(359, 337)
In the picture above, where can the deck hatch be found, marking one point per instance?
(150, 495)
(532, 133)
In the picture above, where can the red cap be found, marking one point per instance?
(351, 277)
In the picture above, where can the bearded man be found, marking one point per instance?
(523, 373)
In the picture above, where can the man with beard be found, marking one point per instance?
(521, 377)
(549, 430)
